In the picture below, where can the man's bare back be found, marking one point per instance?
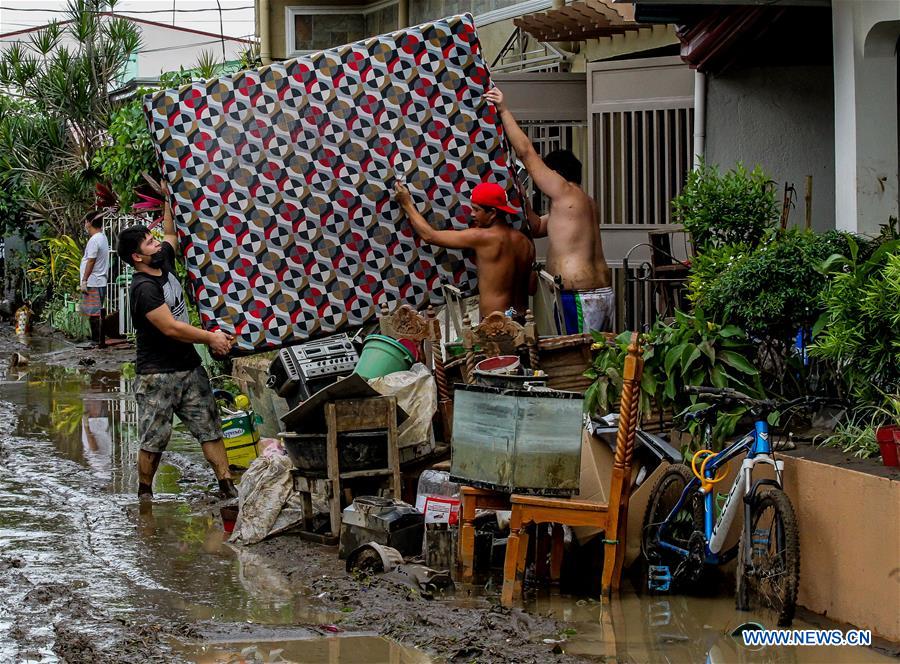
(575, 251)
(504, 256)
(504, 269)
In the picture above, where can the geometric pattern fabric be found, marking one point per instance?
(282, 180)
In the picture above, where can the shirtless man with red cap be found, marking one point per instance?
(504, 255)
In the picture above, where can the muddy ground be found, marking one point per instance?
(49, 616)
(89, 575)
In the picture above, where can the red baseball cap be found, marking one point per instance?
(492, 195)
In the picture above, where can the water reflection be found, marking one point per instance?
(314, 650)
(672, 629)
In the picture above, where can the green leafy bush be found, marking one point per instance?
(860, 327)
(771, 290)
(735, 208)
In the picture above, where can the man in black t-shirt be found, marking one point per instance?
(170, 377)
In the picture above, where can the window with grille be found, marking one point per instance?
(641, 161)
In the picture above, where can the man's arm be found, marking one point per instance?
(169, 234)
(547, 180)
(536, 222)
(166, 323)
(469, 238)
(88, 269)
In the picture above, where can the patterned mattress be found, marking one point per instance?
(282, 180)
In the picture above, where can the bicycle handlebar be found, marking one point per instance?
(727, 393)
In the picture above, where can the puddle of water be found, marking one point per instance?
(330, 650)
(675, 629)
(92, 420)
(207, 579)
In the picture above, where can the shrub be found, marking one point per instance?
(771, 290)
(860, 326)
(735, 208)
(690, 351)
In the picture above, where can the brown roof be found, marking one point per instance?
(582, 19)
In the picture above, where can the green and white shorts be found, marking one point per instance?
(187, 394)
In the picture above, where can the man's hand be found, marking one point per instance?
(220, 343)
(402, 196)
(83, 287)
(495, 96)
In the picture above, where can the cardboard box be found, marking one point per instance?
(596, 472)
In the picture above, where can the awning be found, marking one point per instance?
(582, 19)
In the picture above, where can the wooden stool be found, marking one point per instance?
(611, 518)
(473, 499)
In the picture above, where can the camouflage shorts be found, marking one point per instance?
(183, 393)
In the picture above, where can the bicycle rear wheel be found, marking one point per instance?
(768, 571)
(680, 529)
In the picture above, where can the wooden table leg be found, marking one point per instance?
(509, 567)
(334, 472)
(467, 537)
(556, 553)
(520, 560)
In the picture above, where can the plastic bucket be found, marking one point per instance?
(381, 356)
(889, 442)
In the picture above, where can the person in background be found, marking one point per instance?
(94, 271)
(575, 250)
(170, 376)
(504, 256)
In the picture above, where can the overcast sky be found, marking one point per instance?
(237, 15)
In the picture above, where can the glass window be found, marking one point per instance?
(314, 32)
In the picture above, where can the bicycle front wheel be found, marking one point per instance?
(768, 572)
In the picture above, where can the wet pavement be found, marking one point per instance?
(88, 574)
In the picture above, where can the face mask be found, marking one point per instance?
(156, 260)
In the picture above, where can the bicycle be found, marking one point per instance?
(681, 535)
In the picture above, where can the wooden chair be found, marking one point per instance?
(612, 518)
(498, 334)
(407, 323)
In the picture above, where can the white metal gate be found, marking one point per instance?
(640, 140)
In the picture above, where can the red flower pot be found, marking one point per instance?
(889, 442)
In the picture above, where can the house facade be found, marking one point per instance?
(804, 88)
(164, 48)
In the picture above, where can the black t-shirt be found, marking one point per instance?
(157, 353)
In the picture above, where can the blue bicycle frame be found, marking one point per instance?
(758, 448)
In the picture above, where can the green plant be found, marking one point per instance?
(859, 330)
(770, 290)
(856, 437)
(735, 208)
(57, 266)
(64, 75)
(128, 155)
(692, 350)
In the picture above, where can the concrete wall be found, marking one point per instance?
(849, 544)
(781, 118)
(866, 108)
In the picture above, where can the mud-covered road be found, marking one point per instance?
(89, 575)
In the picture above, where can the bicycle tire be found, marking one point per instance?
(676, 477)
(754, 593)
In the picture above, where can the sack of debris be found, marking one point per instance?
(268, 503)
